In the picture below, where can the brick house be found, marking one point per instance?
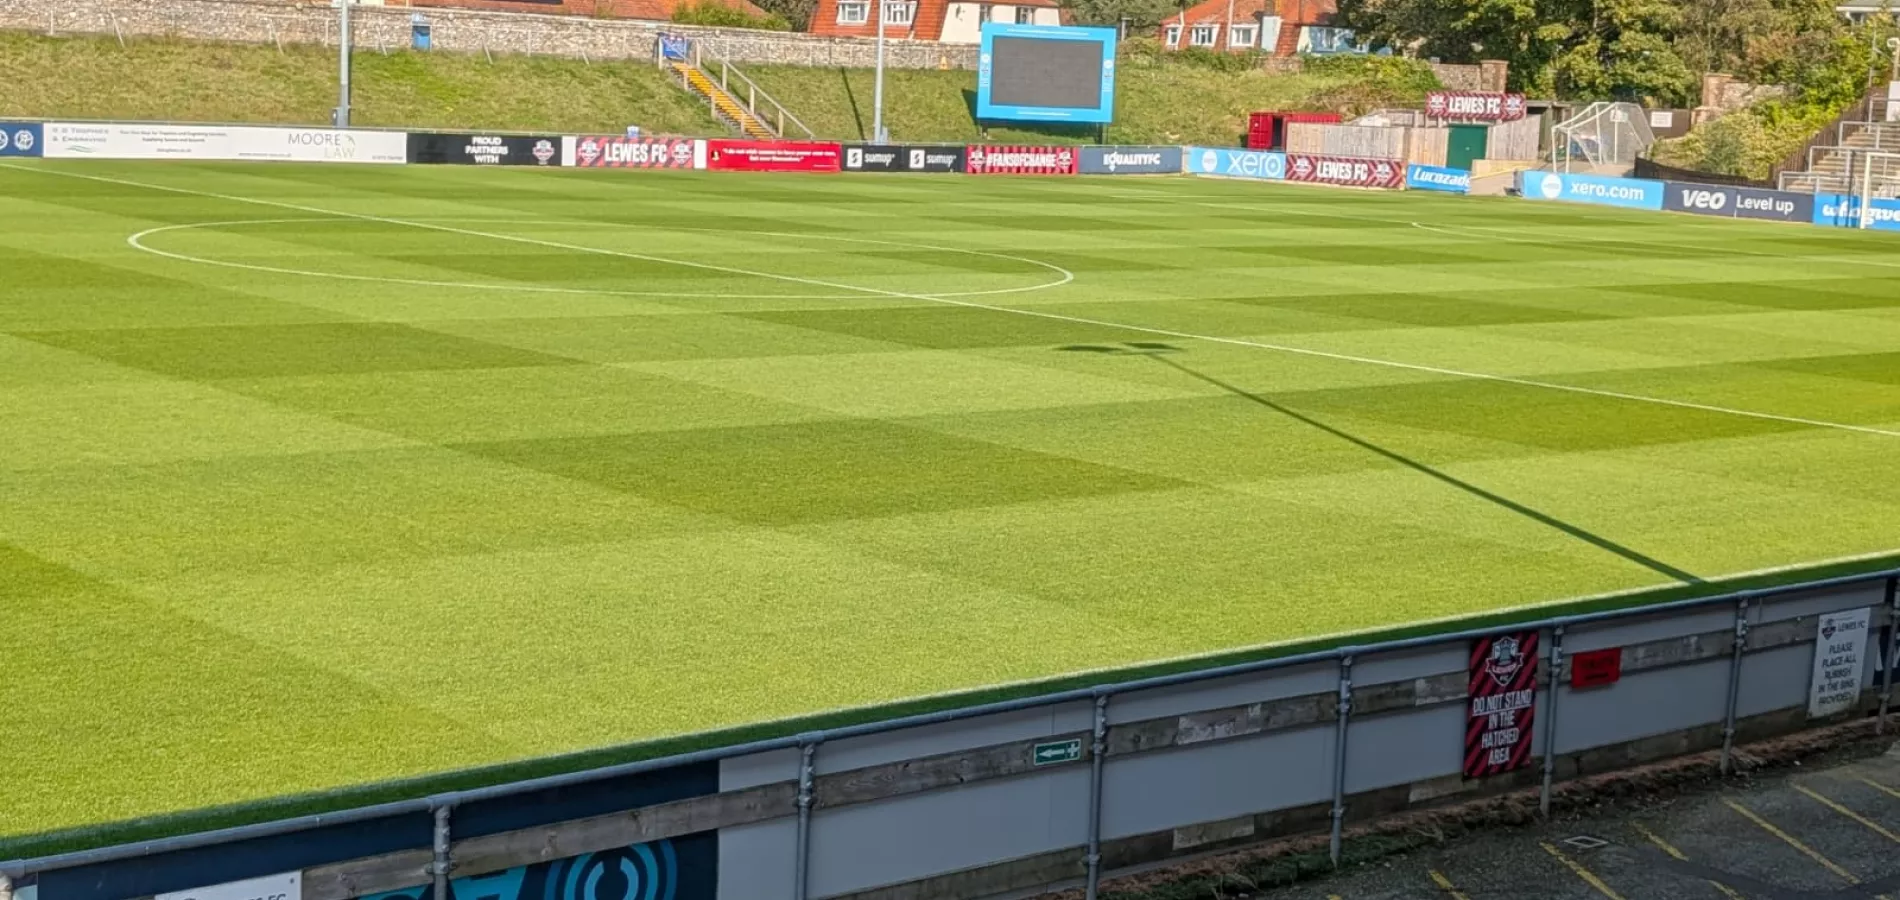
(649, 10)
(949, 21)
(1277, 27)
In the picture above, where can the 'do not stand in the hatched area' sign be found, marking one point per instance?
(1503, 696)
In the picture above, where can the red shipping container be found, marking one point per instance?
(1267, 130)
(773, 156)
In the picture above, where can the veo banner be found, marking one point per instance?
(591, 151)
(1349, 171)
(1503, 692)
(1232, 163)
(484, 150)
(987, 160)
(773, 156)
(1474, 106)
(1130, 161)
(1437, 178)
(21, 138)
(1738, 202)
(1628, 193)
(893, 158)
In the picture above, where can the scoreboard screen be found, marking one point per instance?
(1043, 73)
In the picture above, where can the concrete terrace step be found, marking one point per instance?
(727, 106)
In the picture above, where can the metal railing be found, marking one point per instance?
(441, 806)
(778, 117)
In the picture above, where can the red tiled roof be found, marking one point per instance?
(925, 25)
(650, 10)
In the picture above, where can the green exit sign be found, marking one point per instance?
(1056, 752)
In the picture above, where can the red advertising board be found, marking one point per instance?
(633, 153)
(1503, 692)
(773, 156)
(995, 160)
(1350, 171)
(1596, 668)
(1474, 106)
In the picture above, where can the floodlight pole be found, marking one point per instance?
(877, 89)
(343, 63)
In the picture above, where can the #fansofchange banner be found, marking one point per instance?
(602, 152)
(894, 158)
(1628, 193)
(484, 150)
(773, 156)
(1130, 161)
(988, 160)
(21, 138)
(1437, 178)
(1843, 211)
(1474, 106)
(1738, 202)
(1231, 163)
(1348, 171)
(1503, 692)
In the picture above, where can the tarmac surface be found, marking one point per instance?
(1802, 833)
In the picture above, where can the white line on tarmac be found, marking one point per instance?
(1040, 314)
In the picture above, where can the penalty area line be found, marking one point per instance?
(968, 304)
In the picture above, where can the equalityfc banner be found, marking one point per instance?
(986, 160)
(1503, 692)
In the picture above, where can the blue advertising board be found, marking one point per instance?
(1129, 161)
(1628, 193)
(1437, 178)
(1843, 211)
(1045, 73)
(1234, 163)
(21, 138)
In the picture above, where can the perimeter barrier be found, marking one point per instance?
(1726, 201)
(1065, 788)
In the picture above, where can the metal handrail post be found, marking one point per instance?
(1891, 659)
(1342, 714)
(1550, 723)
(801, 874)
(1734, 684)
(440, 866)
(1098, 753)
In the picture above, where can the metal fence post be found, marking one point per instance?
(1098, 752)
(1888, 660)
(439, 867)
(807, 750)
(1550, 723)
(1734, 684)
(6, 887)
(1339, 756)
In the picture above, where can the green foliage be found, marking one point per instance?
(1391, 73)
(1139, 14)
(718, 15)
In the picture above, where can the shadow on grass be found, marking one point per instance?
(1055, 132)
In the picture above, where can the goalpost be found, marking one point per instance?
(1875, 176)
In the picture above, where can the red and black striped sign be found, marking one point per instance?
(986, 159)
(1503, 703)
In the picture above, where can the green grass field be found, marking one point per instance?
(325, 476)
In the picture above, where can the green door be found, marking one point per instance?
(1465, 145)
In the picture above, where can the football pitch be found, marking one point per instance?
(324, 476)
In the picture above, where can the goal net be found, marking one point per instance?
(1602, 134)
(1875, 177)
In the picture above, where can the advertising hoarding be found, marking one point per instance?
(773, 156)
(1346, 171)
(1737, 202)
(1129, 161)
(996, 160)
(1475, 106)
(615, 152)
(1503, 703)
(1627, 193)
(21, 138)
(1437, 178)
(1232, 163)
(1045, 73)
(1842, 211)
(896, 158)
(485, 150)
(82, 140)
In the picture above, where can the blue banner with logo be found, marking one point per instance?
(1627, 193)
(1236, 163)
(21, 138)
(1842, 211)
(1129, 161)
(1437, 178)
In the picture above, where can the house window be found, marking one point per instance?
(898, 13)
(1203, 35)
(1240, 36)
(1174, 35)
(854, 12)
(1025, 15)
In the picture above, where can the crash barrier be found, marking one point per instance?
(1726, 201)
(1065, 788)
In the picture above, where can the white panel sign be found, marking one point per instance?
(288, 886)
(73, 140)
(1840, 656)
(1662, 118)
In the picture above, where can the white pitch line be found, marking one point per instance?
(1040, 314)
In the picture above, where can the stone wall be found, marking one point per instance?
(458, 30)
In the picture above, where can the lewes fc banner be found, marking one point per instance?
(1503, 690)
(1474, 106)
(1737, 202)
(1230, 163)
(21, 138)
(987, 160)
(773, 156)
(891, 158)
(1628, 193)
(1348, 171)
(484, 150)
(1129, 161)
(633, 153)
(1437, 178)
